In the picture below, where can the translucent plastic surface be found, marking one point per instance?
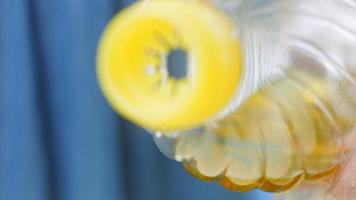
(295, 106)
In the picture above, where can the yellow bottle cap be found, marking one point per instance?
(132, 63)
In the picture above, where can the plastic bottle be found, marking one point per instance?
(264, 95)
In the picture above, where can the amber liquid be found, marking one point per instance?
(287, 132)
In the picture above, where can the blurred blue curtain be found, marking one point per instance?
(59, 139)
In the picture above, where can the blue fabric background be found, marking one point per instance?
(59, 139)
